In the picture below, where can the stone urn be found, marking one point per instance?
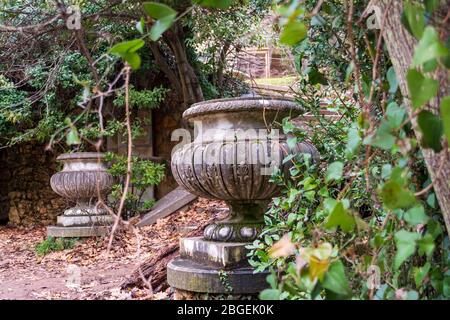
(83, 179)
(237, 146)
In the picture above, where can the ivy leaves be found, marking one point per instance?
(406, 246)
(432, 130)
(394, 191)
(335, 279)
(334, 171)
(421, 88)
(340, 217)
(429, 48)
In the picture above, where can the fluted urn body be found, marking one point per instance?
(237, 146)
(83, 179)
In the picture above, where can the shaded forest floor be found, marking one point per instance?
(26, 275)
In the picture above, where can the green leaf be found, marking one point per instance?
(293, 32)
(431, 5)
(127, 46)
(420, 273)
(315, 77)
(445, 115)
(434, 228)
(395, 115)
(383, 138)
(140, 26)
(432, 130)
(429, 47)
(349, 71)
(421, 89)
(133, 59)
(394, 194)
(72, 136)
(392, 79)
(446, 285)
(160, 26)
(415, 216)
(334, 171)
(218, 4)
(426, 245)
(335, 279)
(339, 217)
(270, 294)
(414, 15)
(158, 10)
(291, 142)
(353, 142)
(406, 246)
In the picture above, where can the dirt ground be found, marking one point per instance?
(86, 271)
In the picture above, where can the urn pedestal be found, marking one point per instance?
(236, 149)
(82, 180)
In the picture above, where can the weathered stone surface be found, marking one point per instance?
(170, 203)
(83, 179)
(188, 275)
(232, 159)
(77, 232)
(219, 254)
(84, 220)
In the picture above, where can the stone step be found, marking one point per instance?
(224, 255)
(189, 275)
(170, 203)
(76, 232)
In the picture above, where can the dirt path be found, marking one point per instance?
(85, 271)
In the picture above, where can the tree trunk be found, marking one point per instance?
(190, 85)
(400, 45)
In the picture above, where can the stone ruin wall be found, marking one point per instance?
(26, 197)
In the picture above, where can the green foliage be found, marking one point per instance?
(432, 130)
(52, 244)
(142, 98)
(144, 174)
(355, 229)
(421, 88)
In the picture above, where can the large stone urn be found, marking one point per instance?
(236, 148)
(82, 181)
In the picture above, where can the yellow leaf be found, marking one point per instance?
(318, 267)
(282, 248)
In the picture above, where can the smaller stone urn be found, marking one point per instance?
(82, 180)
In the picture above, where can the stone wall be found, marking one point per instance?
(25, 194)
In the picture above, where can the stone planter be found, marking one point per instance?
(82, 180)
(231, 159)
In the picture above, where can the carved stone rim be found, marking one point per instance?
(80, 155)
(242, 104)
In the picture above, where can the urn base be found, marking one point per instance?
(77, 231)
(214, 267)
(78, 226)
